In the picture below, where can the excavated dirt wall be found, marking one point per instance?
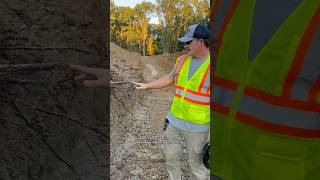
(125, 66)
(51, 128)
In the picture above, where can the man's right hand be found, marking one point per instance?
(157, 84)
(141, 85)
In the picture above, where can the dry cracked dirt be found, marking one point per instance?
(137, 116)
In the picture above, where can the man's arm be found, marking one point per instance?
(157, 84)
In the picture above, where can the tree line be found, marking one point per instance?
(131, 28)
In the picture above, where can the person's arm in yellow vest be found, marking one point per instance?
(165, 81)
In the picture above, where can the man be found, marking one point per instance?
(190, 110)
(266, 84)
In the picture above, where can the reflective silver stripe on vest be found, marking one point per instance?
(218, 22)
(278, 114)
(193, 96)
(309, 71)
(223, 96)
(206, 83)
(220, 17)
(183, 58)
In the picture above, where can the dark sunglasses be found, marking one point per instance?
(189, 42)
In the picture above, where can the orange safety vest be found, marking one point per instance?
(266, 110)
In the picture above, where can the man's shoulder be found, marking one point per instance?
(184, 56)
(181, 56)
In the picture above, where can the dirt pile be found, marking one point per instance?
(125, 66)
(164, 62)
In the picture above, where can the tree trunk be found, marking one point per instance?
(177, 42)
(162, 40)
(144, 48)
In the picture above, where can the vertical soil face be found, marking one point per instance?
(70, 31)
(51, 128)
(125, 66)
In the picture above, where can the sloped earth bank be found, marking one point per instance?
(137, 117)
(51, 128)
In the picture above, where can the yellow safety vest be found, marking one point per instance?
(266, 108)
(191, 101)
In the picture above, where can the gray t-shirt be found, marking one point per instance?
(182, 124)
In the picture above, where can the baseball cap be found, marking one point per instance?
(196, 31)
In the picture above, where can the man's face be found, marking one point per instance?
(192, 47)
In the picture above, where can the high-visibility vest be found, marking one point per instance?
(266, 122)
(191, 101)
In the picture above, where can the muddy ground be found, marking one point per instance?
(51, 128)
(137, 116)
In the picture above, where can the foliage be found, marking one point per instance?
(131, 28)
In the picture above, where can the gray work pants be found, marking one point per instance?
(173, 149)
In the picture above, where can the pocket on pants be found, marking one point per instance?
(279, 158)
